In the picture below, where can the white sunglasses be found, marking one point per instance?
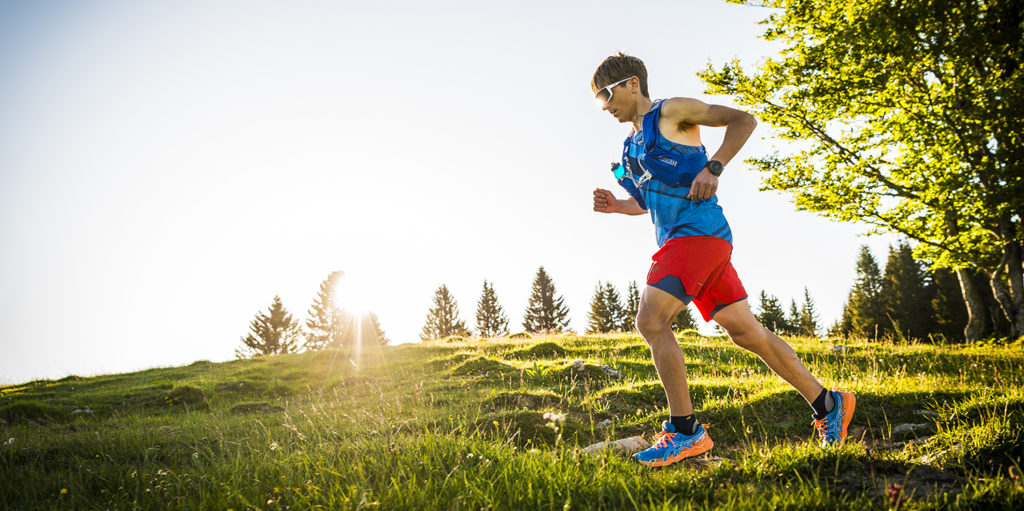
(604, 95)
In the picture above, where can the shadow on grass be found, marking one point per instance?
(785, 416)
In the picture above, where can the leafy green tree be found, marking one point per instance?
(443, 317)
(684, 320)
(864, 314)
(490, 316)
(326, 322)
(771, 315)
(271, 333)
(807, 324)
(906, 296)
(632, 306)
(907, 116)
(545, 312)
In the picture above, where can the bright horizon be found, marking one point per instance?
(165, 170)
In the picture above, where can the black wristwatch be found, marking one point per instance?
(714, 167)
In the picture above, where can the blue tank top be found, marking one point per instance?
(651, 165)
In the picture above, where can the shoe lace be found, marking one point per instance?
(822, 426)
(665, 438)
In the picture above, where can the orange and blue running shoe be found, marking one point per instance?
(671, 446)
(832, 427)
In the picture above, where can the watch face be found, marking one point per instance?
(715, 167)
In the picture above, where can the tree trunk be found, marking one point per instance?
(1011, 300)
(1015, 275)
(975, 306)
(1002, 296)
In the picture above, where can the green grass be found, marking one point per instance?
(462, 424)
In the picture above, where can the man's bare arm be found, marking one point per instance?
(738, 127)
(738, 124)
(630, 207)
(605, 202)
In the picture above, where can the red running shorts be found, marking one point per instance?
(697, 269)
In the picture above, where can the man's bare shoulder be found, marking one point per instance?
(695, 111)
(682, 109)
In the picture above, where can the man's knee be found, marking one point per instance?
(650, 325)
(750, 339)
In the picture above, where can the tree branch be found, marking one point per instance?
(850, 156)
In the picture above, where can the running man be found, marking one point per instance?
(667, 172)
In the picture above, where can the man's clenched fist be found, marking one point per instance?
(604, 201)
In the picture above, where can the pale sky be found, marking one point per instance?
(167, 168)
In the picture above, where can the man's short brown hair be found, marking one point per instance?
(619, 67)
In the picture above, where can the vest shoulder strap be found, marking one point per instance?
(650, 125)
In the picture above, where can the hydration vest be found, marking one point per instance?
(658, 162)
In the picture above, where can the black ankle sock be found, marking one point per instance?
(823, 404)
(685, 424)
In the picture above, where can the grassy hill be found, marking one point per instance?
(499, 423)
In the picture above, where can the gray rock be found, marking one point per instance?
(625, 446)
(911, 429)
(927, 413)
(580, 365)
(605, 423)
(86, 411)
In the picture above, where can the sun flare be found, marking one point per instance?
(352, 293)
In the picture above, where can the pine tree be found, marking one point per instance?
(793, 320)
(684, 320)
(271, 334)
(490, 316)
(607, 313)
(544, 312)
(598, 319)
(843, 327)
(632, 307)
(382, 338)
(808, 323)
(363, 330)
(949, 312)
(864, 314)
(443, 317)
(771, 314)
(616, 309)
(906, 296)
(836, 330)
(326, 323)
